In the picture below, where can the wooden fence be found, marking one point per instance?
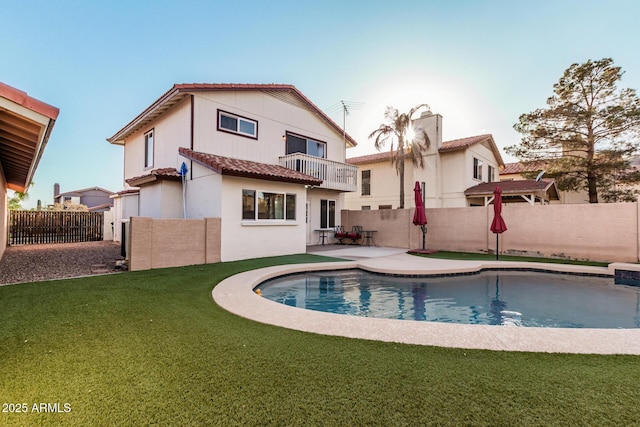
(38, 227)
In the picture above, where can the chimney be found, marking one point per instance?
(56, 191)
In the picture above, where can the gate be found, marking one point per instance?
(38, 227)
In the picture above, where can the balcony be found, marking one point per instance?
(334, 175)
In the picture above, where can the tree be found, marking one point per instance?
(14, 202)
(396, 130)
(67, 205)
(587, 134)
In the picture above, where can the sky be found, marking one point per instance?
(478, 63)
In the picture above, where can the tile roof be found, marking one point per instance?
(21, 98)
(167, 174)
(370, 158)
(519, 167)
(125, 192)
(447, 146)
(462, 143)
(248, 169)
(286, 93)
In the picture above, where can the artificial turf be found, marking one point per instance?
(468, 256)
(152, 348)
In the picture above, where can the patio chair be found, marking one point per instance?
(340, 234)
(355, 234)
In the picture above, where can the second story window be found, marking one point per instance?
(366, 182)
(477, 169)
(148, 149)
(233, 123)
(492, 174)
(301, 144)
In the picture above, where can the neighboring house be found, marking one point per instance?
(450, 168)
(95, 198)
(530, 191)
(524, 173)
(262, 157)
(25, 127)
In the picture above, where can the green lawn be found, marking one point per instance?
(152, 348)
(492, 257)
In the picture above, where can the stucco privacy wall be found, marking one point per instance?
(160, 243)
(599, 232)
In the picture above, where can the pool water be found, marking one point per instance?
(510, 298)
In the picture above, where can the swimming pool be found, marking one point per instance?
(512, 298)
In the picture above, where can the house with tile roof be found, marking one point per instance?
(525, 172)
(25, 127)
(261, 157)
(450, 167)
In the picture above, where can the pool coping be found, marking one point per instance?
(236, 294)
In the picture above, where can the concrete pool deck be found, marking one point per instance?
(236, 294)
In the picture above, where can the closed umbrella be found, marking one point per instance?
(497, 225)
(420, 216)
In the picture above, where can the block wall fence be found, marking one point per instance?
(608, 232)
(596, 232)
(160, 243)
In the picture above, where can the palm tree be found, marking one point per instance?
(395, 130)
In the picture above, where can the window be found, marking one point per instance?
(265, 205)
(366, 182)
(327, 213)
(301, 144)
(477, 169)
(233, 123)
(290, 205)
(492, 174)
(385, 207)
(366, 208)
(148, 149)
(248, 204)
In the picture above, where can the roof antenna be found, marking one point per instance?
(346, 107)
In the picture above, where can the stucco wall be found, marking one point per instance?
(274, 118)
(243, 239)
(171, 131)
(160, 243)
(598, 232)
(313, 217)
(162, 199)
(125, 206)
(203, 193)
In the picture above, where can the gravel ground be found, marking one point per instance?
(30, 263)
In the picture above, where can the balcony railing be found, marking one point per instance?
(334, 175)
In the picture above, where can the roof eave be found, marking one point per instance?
(119, 137)
(23, 188)
(311, 182)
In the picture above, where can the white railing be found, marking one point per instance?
(334, 175)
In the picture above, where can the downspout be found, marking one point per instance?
(191, 132)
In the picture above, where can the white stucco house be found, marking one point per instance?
(261, 157)
(450, 168)
(25, 127)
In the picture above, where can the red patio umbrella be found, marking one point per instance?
(420, 216)
(497, 225)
